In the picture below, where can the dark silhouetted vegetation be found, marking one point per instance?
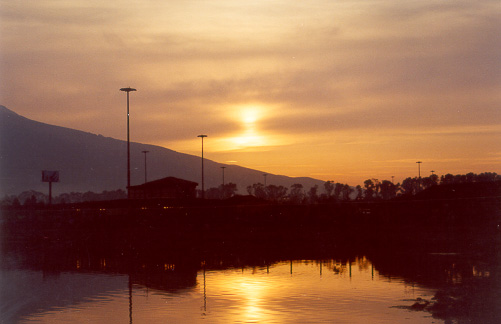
(225, 191)
(332, 192)
(442, 233)
(33, 198)
(372, 190)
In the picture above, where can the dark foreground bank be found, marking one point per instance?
(452, 246)
(441, 226)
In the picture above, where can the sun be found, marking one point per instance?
(250, 115)
(251, 135)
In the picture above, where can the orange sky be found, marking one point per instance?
(335, 90)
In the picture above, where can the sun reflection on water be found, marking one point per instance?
(285, 292)
(305, 291)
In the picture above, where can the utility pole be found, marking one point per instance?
(419, 169)
(129, 89)
(419, 175)
(223, 173)
(203, 189)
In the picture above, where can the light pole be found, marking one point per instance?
(203, 192)
(128, 137)
(223, 174)
(419, 175)
(264, 175)
(145, 169)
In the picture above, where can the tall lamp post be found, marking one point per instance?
(223, 173)
(145, 169)
(419, 175)
(128, 137)
(203, 189)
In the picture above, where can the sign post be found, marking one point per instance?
(50, 177)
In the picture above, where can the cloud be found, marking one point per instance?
(334, 75)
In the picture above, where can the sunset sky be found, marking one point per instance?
(342, 90)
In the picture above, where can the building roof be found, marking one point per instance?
(165, 182)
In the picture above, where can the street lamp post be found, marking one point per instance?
(223, 173)
(145, 168)
(203, 189)
(129, 89)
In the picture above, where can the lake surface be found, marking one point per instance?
(64, 275)
(285, 292)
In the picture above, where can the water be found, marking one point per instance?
(139, 274)
(297, 291)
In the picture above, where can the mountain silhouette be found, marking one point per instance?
(90, 162)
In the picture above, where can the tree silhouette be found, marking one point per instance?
(296, 194)
(487, 177)
(346, 192)
(313, 194)
(338, 188)
(369, 189)
(257, 190)
(388, 190)
(430, 181)
(228, 190)
(447, 179)
(470, 177)
(360, 192)
(225, 191)
(377, 188)
(329, 188)
(409, 186)
(275, 193)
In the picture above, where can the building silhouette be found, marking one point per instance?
(169, 187)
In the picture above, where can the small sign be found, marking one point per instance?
(50, 176)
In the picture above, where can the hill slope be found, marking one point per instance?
(90, 162)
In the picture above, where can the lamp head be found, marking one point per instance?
(129, 89)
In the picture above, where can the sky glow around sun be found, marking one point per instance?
(250, 115)
(342, 90)
(249, 135)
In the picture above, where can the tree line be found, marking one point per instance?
(34, 198)
(372, 189)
